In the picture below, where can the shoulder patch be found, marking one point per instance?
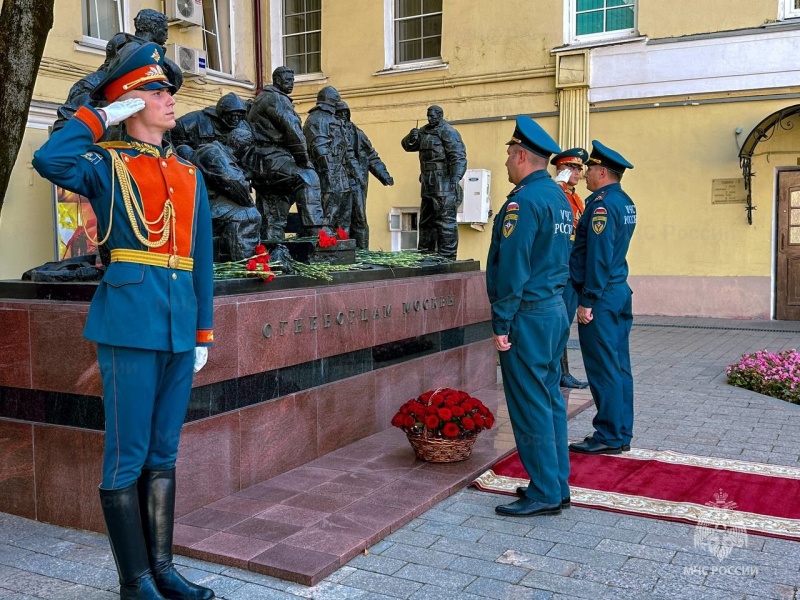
(512, 206)
(598, 224)
(92, 157)
(600, 210)
(509, 223)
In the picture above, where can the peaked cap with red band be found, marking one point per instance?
(136, 67)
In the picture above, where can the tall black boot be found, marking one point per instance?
(124, 524)
(567, 380)
(157, 500)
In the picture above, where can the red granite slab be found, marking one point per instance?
(346, 320)
(228, 549)
(61, 359)
(67, 480)
(17, 484)
(287, 562)
(339, 405)
(447, 370)
(223, 357)
(15, 348)
(444, 303)
(394, 386)
(209, 451)
(476, 302)
(277, 436)
(480, 365)
(292, 337)
(402, 321)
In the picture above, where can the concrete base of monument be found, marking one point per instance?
(296, 373)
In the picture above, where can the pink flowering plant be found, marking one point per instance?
(776, 375)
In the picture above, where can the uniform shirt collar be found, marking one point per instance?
(149, 149)
(529, 178)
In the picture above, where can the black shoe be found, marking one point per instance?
(568, 381)
(157, 500)
(527, 508)
(592, 446)
(565, 502)
(124, 525)
(626, 447)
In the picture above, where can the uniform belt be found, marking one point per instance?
(154, 259)
(534, 304)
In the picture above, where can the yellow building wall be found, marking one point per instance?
(686, 17)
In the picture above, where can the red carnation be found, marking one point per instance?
(468, 423)
(398, 420)
(431, 421)
(251, 265)
(431, 410)
(445, 414)
(326, 241)
(409, 421)
(425, 397)
(341, 233)
(479, 422)
(483, 410)
(269, 277)
(489, 421)
(450, 430)
(261, 249)
(457, 411)
(450, 401)
(416, 408)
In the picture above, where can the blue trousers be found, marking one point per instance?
(145, 397)
(531, 374)
(570, 301)
(607, 359)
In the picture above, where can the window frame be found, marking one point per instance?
(787, 10)
(390, 43)
(570, 23)
(277, 37)
(223, 45)
(95, 42)
(396, 233)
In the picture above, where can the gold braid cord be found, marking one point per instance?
(134, 208)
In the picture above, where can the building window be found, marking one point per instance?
(217, 35)
(791, 9)
(101, 18)
(418, 30)
(599, 19)
(302, 35)
(404, 227)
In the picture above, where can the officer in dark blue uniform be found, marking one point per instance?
(599, 272)
(526, 271)
(151, 316)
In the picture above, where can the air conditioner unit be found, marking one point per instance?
(476, 205)
(188, 12)
(192, 61)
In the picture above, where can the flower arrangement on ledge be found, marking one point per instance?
(442, 424)
(326, 240)
(257, 265)
(776, 375)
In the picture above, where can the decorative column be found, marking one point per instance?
(572, 83)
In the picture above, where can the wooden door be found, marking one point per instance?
(787, 297)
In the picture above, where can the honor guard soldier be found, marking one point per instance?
(599, 273)
(526, 271)
(569, 171)
(151, 315)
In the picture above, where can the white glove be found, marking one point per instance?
(563, 176)
(117, 112)
(200, 357)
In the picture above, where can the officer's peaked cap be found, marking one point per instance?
(530, 135)
(606, 157)
(573, 156)
(136, 67)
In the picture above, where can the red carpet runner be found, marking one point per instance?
(678, 487)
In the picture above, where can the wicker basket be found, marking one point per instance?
(441, 450)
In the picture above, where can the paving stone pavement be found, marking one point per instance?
(462, 550)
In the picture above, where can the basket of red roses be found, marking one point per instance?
(443, 424)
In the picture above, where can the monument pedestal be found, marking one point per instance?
(298, 370)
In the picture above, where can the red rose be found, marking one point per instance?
(341, 233)
(404, 409)
(479, 422)
(431, 421)
(431, 410)
(450, 430)
(425, 397)
(450, 401)
(261, 249)
(416, 408)
(489, 421)
(457, 411)
(251, 265)
(445, 414)
(483, 410)
(468, 423)
(398, 420)
(409, 421)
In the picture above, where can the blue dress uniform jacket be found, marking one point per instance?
(138, 305)
(599, 272)
(526, 272)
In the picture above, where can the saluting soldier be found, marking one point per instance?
(599, 272)
(526, 271)
(151, 315)
(569, 171)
